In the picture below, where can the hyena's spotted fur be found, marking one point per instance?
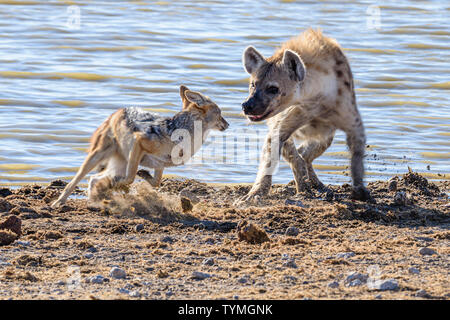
(306, 92)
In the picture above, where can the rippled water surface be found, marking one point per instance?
(60, 80)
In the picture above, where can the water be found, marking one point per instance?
(61, 76)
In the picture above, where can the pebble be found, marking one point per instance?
(422, 294)
(117, 273)
(297, 203)
(355, 283)
(139, 227)
(92, 249)
(292, 231)
(345, 255)
(23, 243)
(382, 285)
(123, 290)
(88, 255)
(426, 251)
(208, 262)
(243, 280)
(290, 264)
(392, 185)
(356, 276)
(167, 239)
(401, 198)
(413, 270)
(333, 284)
(97, 279)
(134, 294)
(197, 275)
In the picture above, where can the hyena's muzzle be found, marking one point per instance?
(255, 107)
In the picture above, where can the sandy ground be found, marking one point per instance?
(153, 245)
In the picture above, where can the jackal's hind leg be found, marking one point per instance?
(153, 181)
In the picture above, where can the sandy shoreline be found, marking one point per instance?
(312, 245)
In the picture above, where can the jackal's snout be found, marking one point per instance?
(223, 125)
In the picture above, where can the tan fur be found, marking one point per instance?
(313, 97)
(117, 149)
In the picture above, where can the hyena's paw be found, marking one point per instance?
(56, 204)
(253, 197)
(362, 193)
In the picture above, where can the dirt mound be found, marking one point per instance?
(250, 233)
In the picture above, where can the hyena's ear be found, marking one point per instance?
(195, 97)
(294, 64)
(252, 59)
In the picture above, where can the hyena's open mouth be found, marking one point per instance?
(261, 117)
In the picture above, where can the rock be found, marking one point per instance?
(4, 192)
(355, 283)
(5, 206)
(392, 186)
(333, 284)
(167, 239)
(402, 198)
(345, 255)
(378, 296)
(98, 279)
(186, 204)
(422, 294)
(7, 237)
(134, 294)
(196, 275)
(117, 273)
(88, 255)
(329, 196)
(382, 285)
(250, 233)
(292, 231)
(427, 251)
(123, 290)
(243, 280)
(12, 223)
(92, 249)
(208, 262)
(23, 243)
(356, 276)
(413, 270)
(290, 264)
(185, 193)
(139, 227)
(291, 202)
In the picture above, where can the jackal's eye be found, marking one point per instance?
(272, 90)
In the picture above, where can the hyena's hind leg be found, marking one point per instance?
(356, 141)
(297, 164)
(311, 150)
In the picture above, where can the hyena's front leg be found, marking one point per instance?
(263, 180)
(356, 141)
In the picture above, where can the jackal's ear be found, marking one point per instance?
(195, 97)
(294, 64)
(252, 59)
(183, 89)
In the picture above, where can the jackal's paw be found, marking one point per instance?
(361, 193)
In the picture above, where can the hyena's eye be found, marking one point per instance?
(272, 90)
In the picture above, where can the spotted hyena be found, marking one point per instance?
(306, 92)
